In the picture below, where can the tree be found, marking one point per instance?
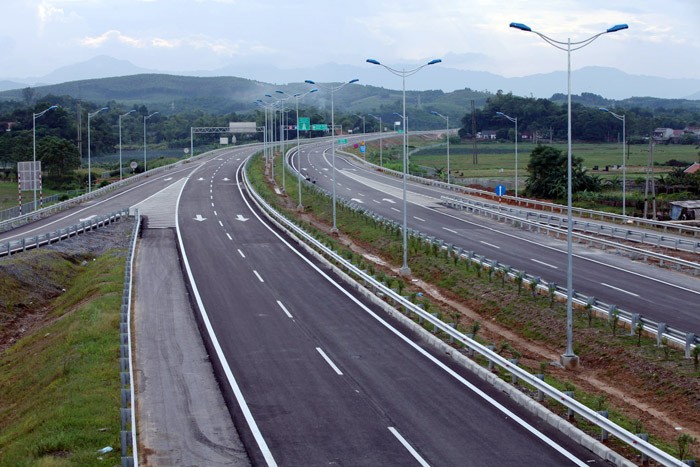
(548, 178)
(58, 156)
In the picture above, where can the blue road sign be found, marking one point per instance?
(500, 190)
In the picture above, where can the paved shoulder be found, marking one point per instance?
(182, 416)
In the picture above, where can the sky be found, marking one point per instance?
(39, 36)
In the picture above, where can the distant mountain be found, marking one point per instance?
(7, 85)
(608, 82)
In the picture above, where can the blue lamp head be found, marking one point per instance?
(353, 81)
(373, 61)
(433, 62)
(521, 26)
(617, 27)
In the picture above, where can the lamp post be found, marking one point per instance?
(405, 270)
(296, 97)
(120, 141)
(624, 165)
(283, 112)
(264, 105)
(34, 117)
(569, 359)
(380, 137)
(90, 115)
(514, 120)
(332, 90)
(144, 138)
(447, 137)
(363, 122)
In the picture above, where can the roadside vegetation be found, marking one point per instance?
(645, 388)
(59, 367)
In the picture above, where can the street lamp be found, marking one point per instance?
(34, 117)
(514, 120)
(363, 122)
(90, 115)
(405, 270)
(120, 140)
(283, 112)
(332, 90)
(144, 138)
(569, 360)
(265, 106)
(380, 137)
(624, 165)
(296, 97)
(447, 135)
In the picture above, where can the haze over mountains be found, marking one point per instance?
(607, 82)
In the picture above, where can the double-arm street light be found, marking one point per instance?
(569, 360)
(624, 164)
(280, 103)
(90, 115)
(34, 117)
(380, 137)
(514, 120)
(296, 97)
(265, 106)
(120, 140)
(144, 138)
(332, 90)
(447, 137)
(405, 270)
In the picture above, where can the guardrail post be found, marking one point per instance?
(435, 328)
(689, 341)
(491, 363)
(634, 321)
(660, 331)
(603, 432)
(569, 410)
(452, 339)
(513, 377)
(644, 437)
(540, 395)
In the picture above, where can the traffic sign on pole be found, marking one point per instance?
(304, 124)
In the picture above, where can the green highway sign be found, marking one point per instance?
(319, 127)
(304, 124)
(343, 141)
(400, 131)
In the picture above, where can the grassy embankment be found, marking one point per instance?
(631, 364)
(59, 383)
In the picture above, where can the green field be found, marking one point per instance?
(8, 195)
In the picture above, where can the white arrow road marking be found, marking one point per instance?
(199, 218)
(389, 200)
(357, 200)
(241, 218)
(87, 218)
(167, 179)
(200, 179)
(226, 179)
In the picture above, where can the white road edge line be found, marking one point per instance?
(285, 309)
(258, 275)
(548, 441)
(543, 263)
(247, 414)
(408, 447)
(329, 361)
(619, 290)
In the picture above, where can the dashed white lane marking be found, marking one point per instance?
(449, 230)
(229, 236)
(329, 361)
(490, 244)
(221, 223)
(215, 213)
(543, 263)
(408, 447)
(620, 290)
(241, 253)
(258, 275)
(397, 210)
(418, 219)
(285, 309)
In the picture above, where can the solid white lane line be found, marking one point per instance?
(408, 447)
(449, 230)
(221, 223)
(620, 290)
(543, 263)
(258, 275)
(418, 219)
(490, 244)
(229, 236)
(328, 360)
(241, 253)
(284, 309)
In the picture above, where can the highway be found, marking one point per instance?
(656, 293)
(318, 375)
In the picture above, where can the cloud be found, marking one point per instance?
(112, 35)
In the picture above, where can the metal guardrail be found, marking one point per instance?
(680, 229)
(623, 233)
(590, 415)
(37, 241)
(129, 457)
(62, 206)
(490, 210)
